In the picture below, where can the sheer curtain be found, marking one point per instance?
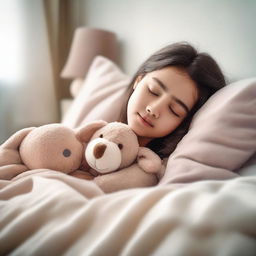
(34, 43)
(27, 92)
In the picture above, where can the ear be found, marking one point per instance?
(85, 133)
(7, 172)
(148, 160)
(9, 152)
(15, 140)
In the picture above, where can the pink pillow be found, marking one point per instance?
(222, 137)
(101, 95)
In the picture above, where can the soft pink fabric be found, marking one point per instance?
(51, 146)
(101, 95)
(221, 139)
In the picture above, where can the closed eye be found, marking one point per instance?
(153, 93)
(173, 112)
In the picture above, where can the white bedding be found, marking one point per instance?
(43, 212)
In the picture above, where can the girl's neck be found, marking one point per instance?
(143, 141)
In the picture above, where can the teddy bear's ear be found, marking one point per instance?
(85, 133)
(10, 155)
(149, 161)
(15, 140)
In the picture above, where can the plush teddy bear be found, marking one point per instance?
(114, 146)
(111, 147)
(52, 146)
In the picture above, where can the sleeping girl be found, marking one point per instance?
(167, 90)
(164, 94)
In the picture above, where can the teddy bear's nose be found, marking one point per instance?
(99, 150)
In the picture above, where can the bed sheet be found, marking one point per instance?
(43, 212)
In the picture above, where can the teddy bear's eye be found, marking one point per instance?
(101, 136)
(66, 153)
(120, 146)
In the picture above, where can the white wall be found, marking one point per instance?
(224, 28)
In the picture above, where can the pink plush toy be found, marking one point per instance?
(52, 146)
(116, 159)
(111, 149)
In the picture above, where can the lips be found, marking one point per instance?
(145, 120)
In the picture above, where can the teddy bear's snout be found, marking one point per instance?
(99, 150)
(103, 155)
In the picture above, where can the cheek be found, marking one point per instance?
(130, 106)
(167, 127)
(133, 102)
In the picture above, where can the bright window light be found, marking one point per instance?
(10, 42)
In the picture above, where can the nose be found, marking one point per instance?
(153, 111)
(99, 150)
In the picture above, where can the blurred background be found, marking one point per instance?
(36, 36)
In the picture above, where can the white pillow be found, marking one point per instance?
(101, 96)
(222, 137)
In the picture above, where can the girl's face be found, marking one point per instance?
(159, 102)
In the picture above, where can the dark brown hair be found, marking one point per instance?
(201, 68)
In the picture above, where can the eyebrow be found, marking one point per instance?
(164, 87)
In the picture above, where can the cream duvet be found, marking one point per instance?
(43, 212)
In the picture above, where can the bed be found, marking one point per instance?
(203, 205)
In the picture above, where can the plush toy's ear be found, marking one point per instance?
(9, 150)
(10, 161)
(149, 161)
(85, 133)
(15, 140)
(7, 172)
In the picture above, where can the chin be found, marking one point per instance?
(135, 129)
(138, 128)
(141, 132)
